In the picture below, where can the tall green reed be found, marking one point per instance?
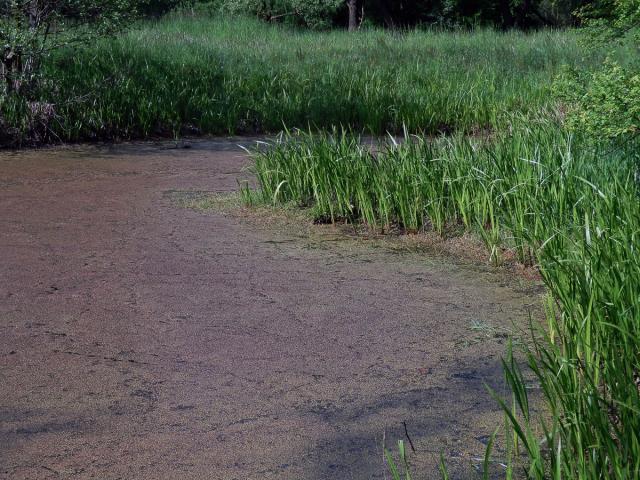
(561, 204)
(185, 75)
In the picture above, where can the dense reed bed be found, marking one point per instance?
(563, 205)
(185, 75)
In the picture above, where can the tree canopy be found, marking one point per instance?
(406, 13)
(30, 29)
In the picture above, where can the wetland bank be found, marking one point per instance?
(207, 309)
(143, 339)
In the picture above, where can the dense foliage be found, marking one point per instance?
(31, 29)
(404, 13)
(611, 19)
(314, 13)
(184, 75)
(606, 102)
(557, 203)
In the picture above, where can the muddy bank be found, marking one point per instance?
(139, 339)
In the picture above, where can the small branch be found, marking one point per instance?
(406, 432)
(275, 17)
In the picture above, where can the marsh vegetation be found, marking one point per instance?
(566, 207)
(184, 75)
(523, 139)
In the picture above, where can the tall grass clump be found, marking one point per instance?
(233, 75)
(561, 204)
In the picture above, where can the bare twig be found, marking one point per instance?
(406, 432)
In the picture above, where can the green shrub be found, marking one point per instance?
(314, 14)
(604, 103)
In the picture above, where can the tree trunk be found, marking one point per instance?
(11, 70)
(33, 14)
(353, 14)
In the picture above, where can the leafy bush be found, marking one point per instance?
(496, 13)
(310, 13)
(607, 20)
(30, 30)
(604, 103)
